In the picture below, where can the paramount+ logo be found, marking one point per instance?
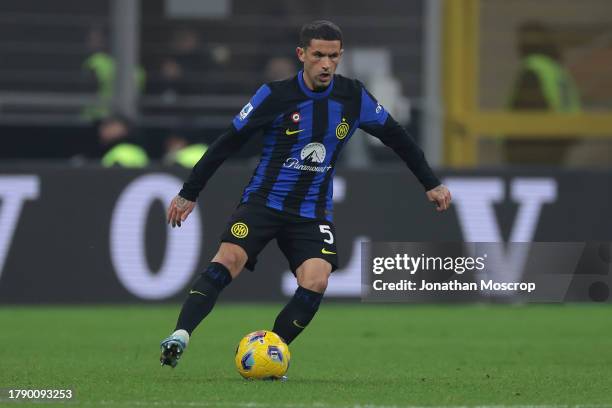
(310, 155)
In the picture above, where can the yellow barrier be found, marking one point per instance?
(521, 125)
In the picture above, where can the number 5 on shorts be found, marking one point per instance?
(325, 230)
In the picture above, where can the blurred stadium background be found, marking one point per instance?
(105, 105)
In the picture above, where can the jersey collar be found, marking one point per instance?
(313, 94)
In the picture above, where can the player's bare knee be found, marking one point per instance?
(314, 275)
(231, 262)
(232, 257)
(316, 284)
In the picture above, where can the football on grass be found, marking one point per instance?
(262, 355)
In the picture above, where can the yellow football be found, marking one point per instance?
(262, 355)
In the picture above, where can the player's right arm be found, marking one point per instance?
(257, 113)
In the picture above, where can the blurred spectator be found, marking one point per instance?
(102, 65)
(180, 152)
(543, 84)
(180, 74)
(117, 144)
(187, 61)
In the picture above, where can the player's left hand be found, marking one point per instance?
(178, 210)
(441, 196)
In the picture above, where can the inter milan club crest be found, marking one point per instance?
(342, 129)
(240, 230)
(295, 117)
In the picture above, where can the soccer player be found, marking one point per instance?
(306, 121)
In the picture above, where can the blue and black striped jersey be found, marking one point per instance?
(303, 134)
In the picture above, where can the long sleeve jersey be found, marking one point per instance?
(303, 134)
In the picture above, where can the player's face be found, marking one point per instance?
(320, 58)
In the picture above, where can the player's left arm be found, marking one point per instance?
(375, 120)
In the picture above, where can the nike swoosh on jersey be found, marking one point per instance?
(292, 132)
(195, 292)
(295, 322)
(326, 252)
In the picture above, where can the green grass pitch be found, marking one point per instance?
(354, 355)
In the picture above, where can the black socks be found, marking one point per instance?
(202, 296)
(297, 313)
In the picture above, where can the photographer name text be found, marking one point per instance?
(453, 285)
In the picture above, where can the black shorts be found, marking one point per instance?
(252, 226)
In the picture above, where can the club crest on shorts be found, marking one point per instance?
(342, 129)
(239, 230)
(295, 117)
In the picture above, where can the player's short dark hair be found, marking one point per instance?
(319, 30)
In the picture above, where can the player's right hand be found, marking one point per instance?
(178, 210)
